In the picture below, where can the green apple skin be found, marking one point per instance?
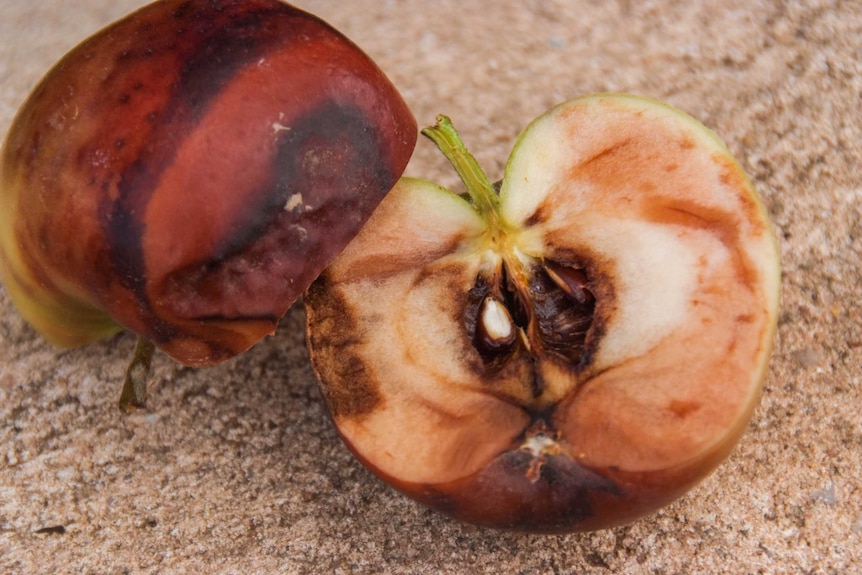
(186, 172)
(678, 254)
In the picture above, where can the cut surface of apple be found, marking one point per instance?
(568, 350)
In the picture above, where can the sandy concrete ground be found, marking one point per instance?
(236, 469)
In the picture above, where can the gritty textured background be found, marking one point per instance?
(236, 469)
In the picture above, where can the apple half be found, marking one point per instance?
(568, 350)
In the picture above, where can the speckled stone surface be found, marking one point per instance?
(236, 468)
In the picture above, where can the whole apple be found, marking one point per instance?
(186, 172)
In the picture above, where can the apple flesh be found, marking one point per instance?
(569, 350)
(187, 172)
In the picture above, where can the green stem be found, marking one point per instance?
(134, 394)
(479, 187)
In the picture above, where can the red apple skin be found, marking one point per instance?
(566, 497)
(188, 171)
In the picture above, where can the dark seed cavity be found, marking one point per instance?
(560, 321)
(573, 281)
(551, 314)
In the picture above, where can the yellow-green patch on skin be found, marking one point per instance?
(64, 320)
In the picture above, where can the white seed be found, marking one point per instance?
(496, 320)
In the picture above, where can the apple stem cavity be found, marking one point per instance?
(134, 394)
(480, 189)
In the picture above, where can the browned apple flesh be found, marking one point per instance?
(570, 354)
(187, 172)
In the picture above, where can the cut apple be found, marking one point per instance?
(568, 350)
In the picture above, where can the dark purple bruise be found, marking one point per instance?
(561, 497)
(524, 492)
(332, 157)
(214, 40)
(223, 45)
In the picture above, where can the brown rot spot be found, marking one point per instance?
(630, 163)
(541, 214)
(335, 337)
(609, 153)
(683, 408)
(734, 178)
(356, 399)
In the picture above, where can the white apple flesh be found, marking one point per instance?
(571, 353)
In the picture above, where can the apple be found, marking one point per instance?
(569, 349)
(186, 172)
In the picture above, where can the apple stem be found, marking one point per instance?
(134, 394)
(479, 187)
